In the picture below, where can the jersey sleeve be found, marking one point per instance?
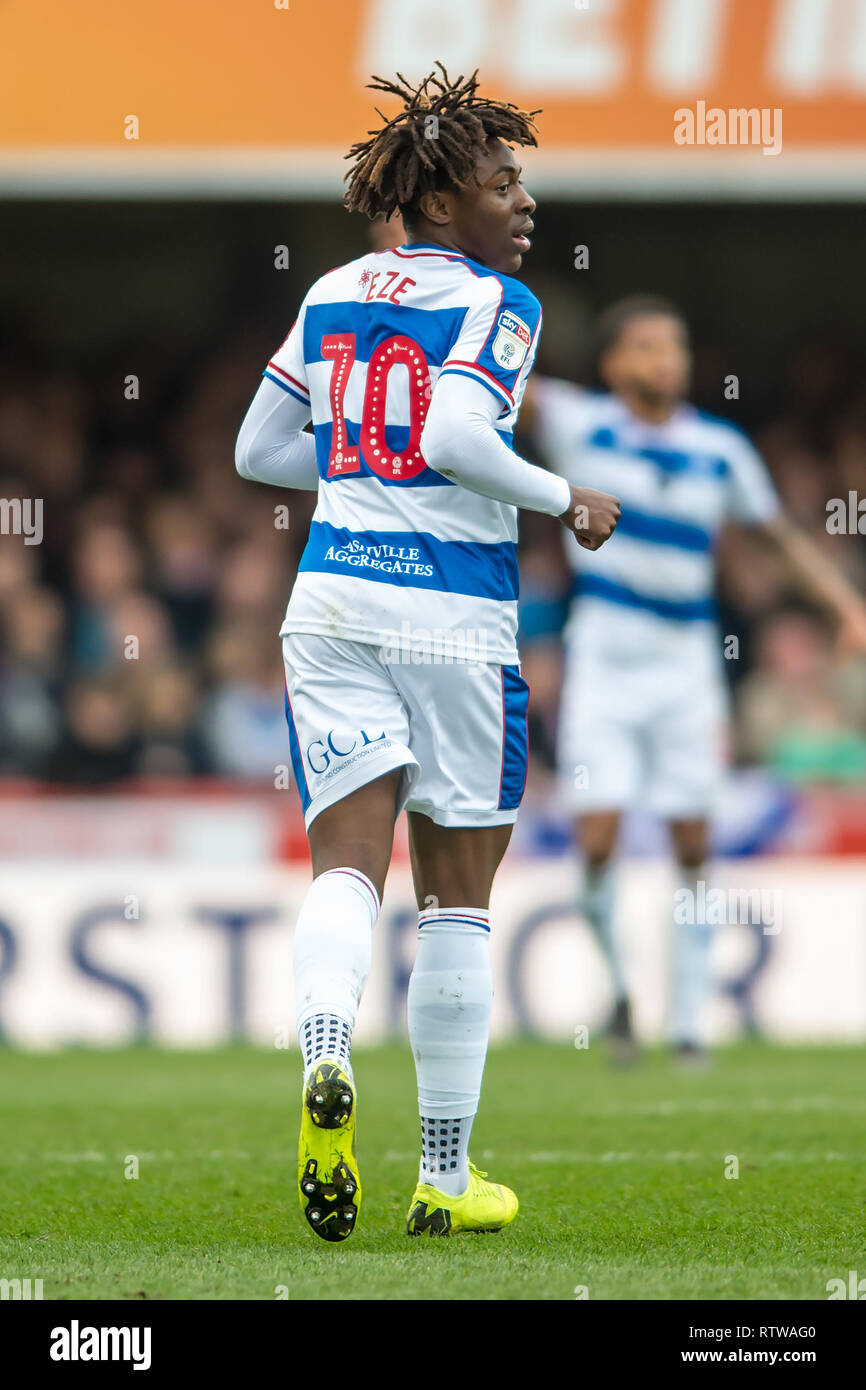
(752, 497)
(558, 420)
(287, 367)
(498, 338)
(461, 441)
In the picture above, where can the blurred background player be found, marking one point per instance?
(644, 701)
(411, 362)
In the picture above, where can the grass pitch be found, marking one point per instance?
(621, 1177)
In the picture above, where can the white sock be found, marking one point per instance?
(332, 951)
(691, 966)
(597, 900)
(450, 996)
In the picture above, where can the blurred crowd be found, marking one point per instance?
(139, 639)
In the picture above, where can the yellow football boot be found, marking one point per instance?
(328, 1183)
(484, 1206)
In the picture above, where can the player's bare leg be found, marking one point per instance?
(691, 842)
(351, 844)
(596, 834)
(691, 954)
(455, 865)
(358, 830)
(450, 996)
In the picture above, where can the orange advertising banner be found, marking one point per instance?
(196, 82)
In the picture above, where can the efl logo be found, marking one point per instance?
(511, 343)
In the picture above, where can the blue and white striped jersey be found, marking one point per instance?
(394, 544)
(677, 482)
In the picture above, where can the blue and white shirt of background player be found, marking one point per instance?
(649, 591)
(392, 541)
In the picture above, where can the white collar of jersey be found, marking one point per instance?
(427, 247)
(681, 413)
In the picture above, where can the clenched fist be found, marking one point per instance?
(592, 516)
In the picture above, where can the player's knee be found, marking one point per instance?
(691, 860)
(597, 839)
(453, 887)
(597, 856)
(366, 856)
(366, 853)
(358, 831)
(455, 865)
(691, 847)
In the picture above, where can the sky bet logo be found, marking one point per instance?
(512, 341)
(320, 751)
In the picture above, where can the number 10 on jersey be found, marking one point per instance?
(344, 458)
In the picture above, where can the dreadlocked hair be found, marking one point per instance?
(409, 156)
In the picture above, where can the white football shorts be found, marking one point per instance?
(650, 735)
(457, 728)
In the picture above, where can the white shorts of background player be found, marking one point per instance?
(645, 726)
